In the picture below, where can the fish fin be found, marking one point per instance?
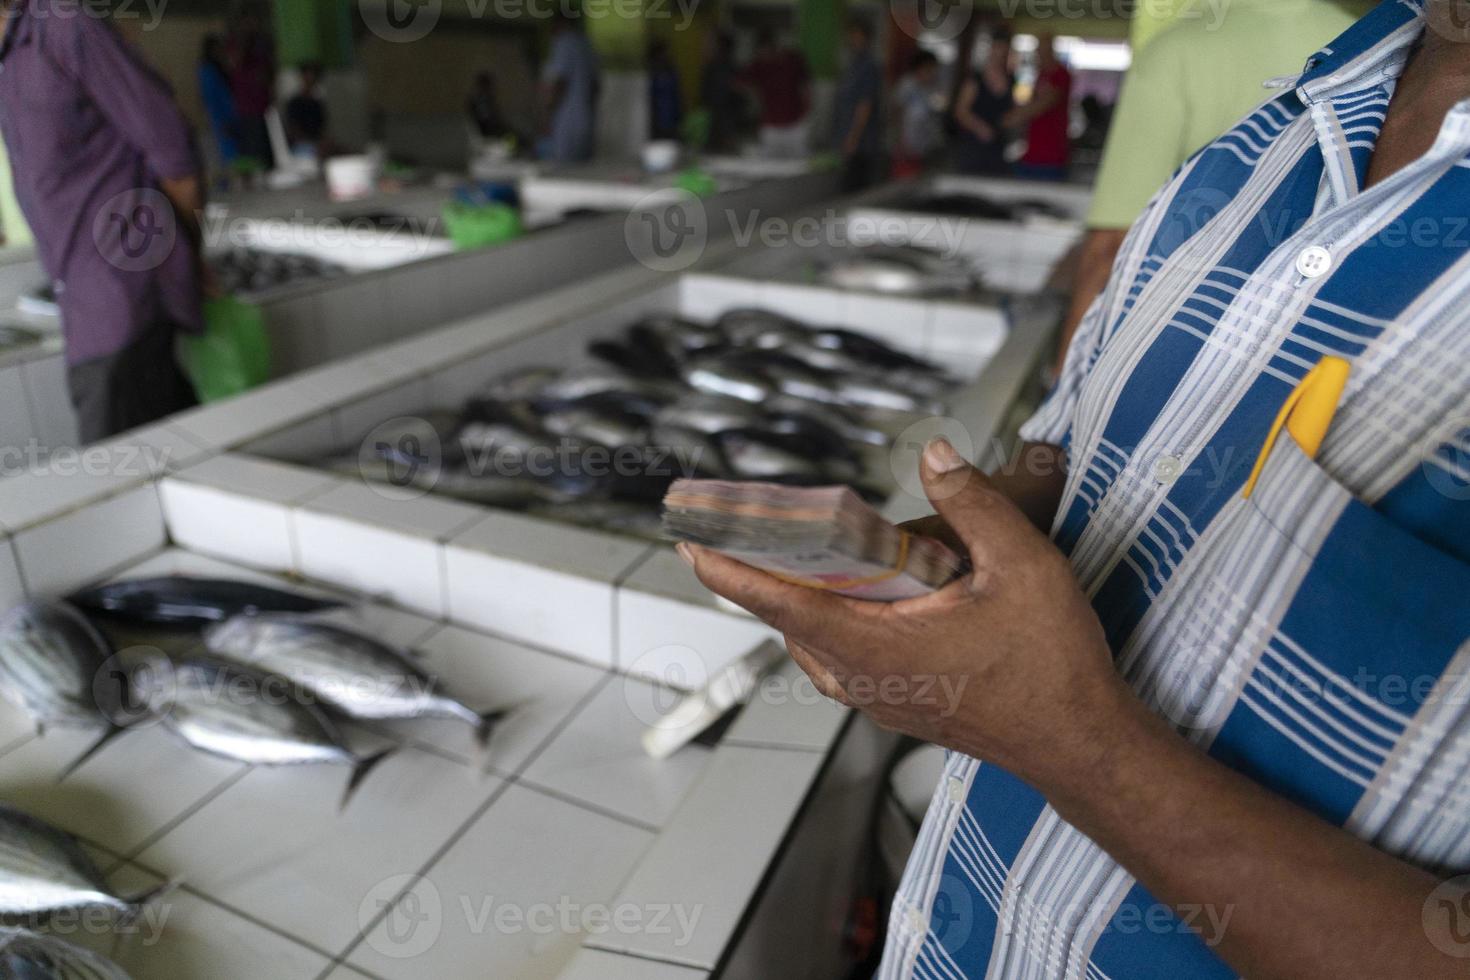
(361, 771)
(112, 732)
(137, 903)
(488, 722)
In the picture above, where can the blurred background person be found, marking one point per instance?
(251, 56)
(781, 80)
(1046, 118)
(856, 128)
(1192, 82)
(219, 102)
(920, 134)
(719, 95)
(986, 97)
(91, 182)
(570, 85)
(665, 101)
(306, 115)
(483, 108)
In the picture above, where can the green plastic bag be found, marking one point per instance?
(477, 227)
(234, 353)
(696, 182)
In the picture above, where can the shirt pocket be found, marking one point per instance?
(1349, 692)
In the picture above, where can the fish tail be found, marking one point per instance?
(360, 771)
(486, 723)
(137, 903)
(112, 732)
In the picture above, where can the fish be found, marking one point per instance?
(603, 428)
(358, 675)
(874, 393)
(635, 358)
(748, 327)
(717, 376)
(251, 716)
(44, 870)
(184, 600)
(693, 452)
(520, 385)
(907, 270)
(709, 413)
(848, 425)
(12, 337)
(868, 350)
(53, 665)
(26, 955)
(752, 458)
(582, 382)
(681, 335)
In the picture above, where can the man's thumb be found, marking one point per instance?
(964, 497)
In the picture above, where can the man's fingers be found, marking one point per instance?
(810, 615)
(980, 516)
(822, 678)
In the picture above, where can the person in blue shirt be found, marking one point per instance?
(1206, 686)
(219, 100)
(570, 85)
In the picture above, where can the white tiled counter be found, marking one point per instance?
(449, 860)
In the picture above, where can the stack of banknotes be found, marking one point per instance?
(820, 537)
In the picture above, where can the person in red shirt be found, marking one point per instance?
(779, 76)
(1046, 118)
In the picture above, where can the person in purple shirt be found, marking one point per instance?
(109, 178)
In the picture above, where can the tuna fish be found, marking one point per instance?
(356, 674)
(26, 955)
(179, 600)
(250, 716)
(52, 666)
(44, 870)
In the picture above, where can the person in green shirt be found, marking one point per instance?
(1193, 81)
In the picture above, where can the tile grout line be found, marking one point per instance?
(469, 823)
(555, 794)
(132, 855)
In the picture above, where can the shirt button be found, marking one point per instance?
(956, 789)
(1168, 469)
(1314, 262)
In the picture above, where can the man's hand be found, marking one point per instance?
(1007, 664)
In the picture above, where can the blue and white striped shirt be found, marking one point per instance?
(1314, 636)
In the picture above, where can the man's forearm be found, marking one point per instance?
(1288, 895)
(186, 194)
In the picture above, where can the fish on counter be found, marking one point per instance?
(52, 663)
(906, 270)
(13, 338)
(246, 271)
(358, 675)
(187, 601)
(44, 870)
(220, 708)
(27, 955)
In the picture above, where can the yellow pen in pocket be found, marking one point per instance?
(1307, 413)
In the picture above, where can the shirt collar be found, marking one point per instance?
(1371, 52)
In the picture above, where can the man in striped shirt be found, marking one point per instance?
(1218, 722)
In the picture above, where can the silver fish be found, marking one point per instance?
(709, 414)
(834, 417)
(694, 452)
(908, 271)
(752, 459)
(44, 870)
(250, 716)
(52, 663)
(26, 955)
(603, 429)
(356, 674)
(759, 328)
(872, 393)
(585, 382)
(685, 335)
(712, 376)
